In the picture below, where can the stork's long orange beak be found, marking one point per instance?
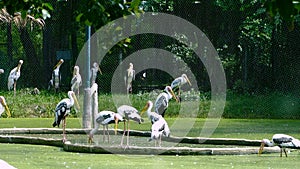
(174, 96)
(99, 70)
(59, 63)
(261, 148)
(116, 125)
(144, 109)
(7, 111)
(188, 80)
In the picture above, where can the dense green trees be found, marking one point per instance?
(257, 40)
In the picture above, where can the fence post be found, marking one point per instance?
(86, 117)
(94, 96)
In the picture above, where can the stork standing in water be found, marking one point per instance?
(56, 76)
(178, 82)
(14, 75)
(128, 113)
(130, 77)
(162, 101)
(76, 81)
(282, 140)
(63, 109)
(104, 118)
(94, 70)
(4, 107)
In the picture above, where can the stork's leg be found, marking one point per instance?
(280, 152)
(128, 133)
(285, 152)
(64, 130)
(159, 143)
(15, 87)
(123, 134)
(103, 133)
(107, 133)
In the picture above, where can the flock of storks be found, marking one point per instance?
(125, 113)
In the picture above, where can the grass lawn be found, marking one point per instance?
(34, 156)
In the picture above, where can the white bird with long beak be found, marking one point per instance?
(153, 117)
(162, 101)
(128, 113)
(105, 118)
(4, 107)
(130, 77)
(63, 109)
(159, 128)
(76, 81)
(56, 76)
(94, 70)
(281, 140)
(14, 75)
(178, 82)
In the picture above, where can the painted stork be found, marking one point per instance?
(159, 128)
(128, 113)
(130, 77)
(76, 81)
(14, 75)
(63, 109)
(178, 82)
(104, 118)
(4, 107)
(281, 140)
(162, 101)
(56, 76)
(94, 70)
(153, 117)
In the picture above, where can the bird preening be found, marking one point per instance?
(281, 140)
(63, 109)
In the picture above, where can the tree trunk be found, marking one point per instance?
(33, 74)
(9, 43)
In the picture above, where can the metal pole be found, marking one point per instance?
(86, 117)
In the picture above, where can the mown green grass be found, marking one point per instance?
(45, 157)
(34, 156)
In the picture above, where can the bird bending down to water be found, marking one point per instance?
(178, 82)
(14, 75)
(128, 113)
(56, 76)
(282, 140)
(104, 118)
(162, 101)
(63, 109)
(4, 107)
(76, 81)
